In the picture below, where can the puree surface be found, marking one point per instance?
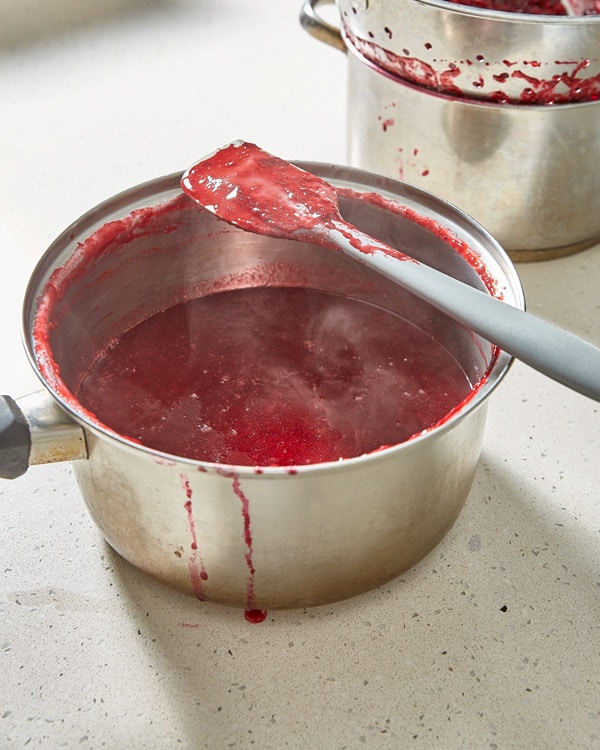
(272, 376)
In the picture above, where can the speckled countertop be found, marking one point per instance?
(492, 641)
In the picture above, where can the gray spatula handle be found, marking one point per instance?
(544, 346)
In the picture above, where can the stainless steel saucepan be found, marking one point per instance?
(255, 537)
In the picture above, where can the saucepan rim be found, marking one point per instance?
(168, 186)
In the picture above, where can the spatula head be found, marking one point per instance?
(251, 189)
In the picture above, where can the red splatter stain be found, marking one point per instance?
(196, 567)
(252, 614)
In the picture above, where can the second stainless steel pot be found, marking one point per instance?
(527, 173)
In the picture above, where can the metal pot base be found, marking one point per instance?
(552, 253)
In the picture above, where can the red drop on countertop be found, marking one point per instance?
(272, 376)
(255, 616)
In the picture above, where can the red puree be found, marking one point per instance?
(256, 191)
(535, 7)
(273, 376)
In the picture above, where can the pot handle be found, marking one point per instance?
(317, 27)
(35, 430)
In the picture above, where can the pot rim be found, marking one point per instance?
(373, 182)
(465, 100)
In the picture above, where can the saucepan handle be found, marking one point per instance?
(35, 430)
(317, 27)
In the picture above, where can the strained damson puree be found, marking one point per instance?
(273, 376)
